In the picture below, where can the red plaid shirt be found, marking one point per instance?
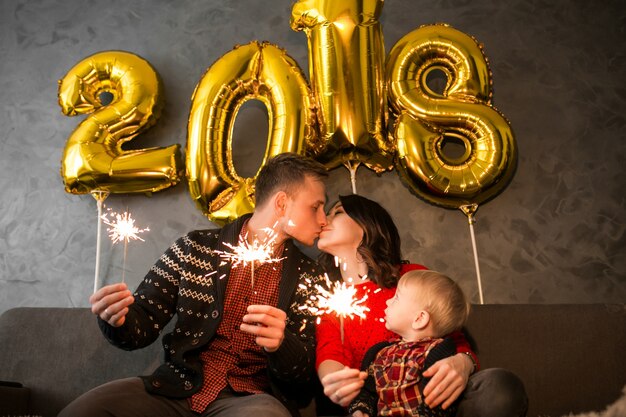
(233, 358)
(397, 370)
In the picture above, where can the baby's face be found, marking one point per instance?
(401, 310)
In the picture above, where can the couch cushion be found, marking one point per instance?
(59, 353)
(570, 357)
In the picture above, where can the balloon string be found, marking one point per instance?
(97, 272)
(480, 287)
(352, 168)
(100, 196)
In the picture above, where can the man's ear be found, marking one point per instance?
(421, 320)
(280, 203)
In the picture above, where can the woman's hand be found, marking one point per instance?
(111, 303)
(343, 386)
(359, 413)
(449, 379)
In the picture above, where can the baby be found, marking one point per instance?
(427, 306)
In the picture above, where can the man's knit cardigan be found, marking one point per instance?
(189, 280)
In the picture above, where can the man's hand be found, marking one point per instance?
(343, 386)
(111, 303)
(449, 379)
(267, 323)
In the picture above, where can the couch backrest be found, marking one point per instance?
(572, 358)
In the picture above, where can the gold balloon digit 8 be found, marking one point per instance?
(462, 113)
(93, 159)
(346, 66)
(256, 71)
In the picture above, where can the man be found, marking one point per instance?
(239, 347)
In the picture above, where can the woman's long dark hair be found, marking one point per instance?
(380, 247)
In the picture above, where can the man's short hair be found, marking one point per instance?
(286, 172)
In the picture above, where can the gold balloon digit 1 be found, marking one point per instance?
(258, 71)
(430, 122)
(346, 66)
(93, 159)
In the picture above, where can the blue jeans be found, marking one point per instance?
(128, 398)
(493, 392)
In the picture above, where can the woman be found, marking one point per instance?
(361, 247)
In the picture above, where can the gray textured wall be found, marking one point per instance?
(555, 235)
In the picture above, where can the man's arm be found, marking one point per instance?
(448, 380)
(153, 305)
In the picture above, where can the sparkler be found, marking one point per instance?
(260, 252)
(339, 299)
(123, 229)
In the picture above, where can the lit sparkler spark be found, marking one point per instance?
(122, 229)
(340, 299)
(259, 252)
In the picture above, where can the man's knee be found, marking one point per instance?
(104, 400)
(82, 407)
(494, 392)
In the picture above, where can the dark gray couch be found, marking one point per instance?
(572, 358)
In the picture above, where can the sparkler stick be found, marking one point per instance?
(123, 229)
(256, 251)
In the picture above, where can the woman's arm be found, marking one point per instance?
(328, 367)
(341, 383)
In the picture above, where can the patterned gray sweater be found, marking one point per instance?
(189, 281)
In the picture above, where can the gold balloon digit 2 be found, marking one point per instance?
(93, 158)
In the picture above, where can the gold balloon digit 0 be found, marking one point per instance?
(259, 71)
(346, 66)
(429, 120)
(93, 159)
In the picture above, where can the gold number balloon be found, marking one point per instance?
(346, 66)
(462, 113)
(254, 71)
(93, 159)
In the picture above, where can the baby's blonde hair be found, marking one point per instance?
(441, 297)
